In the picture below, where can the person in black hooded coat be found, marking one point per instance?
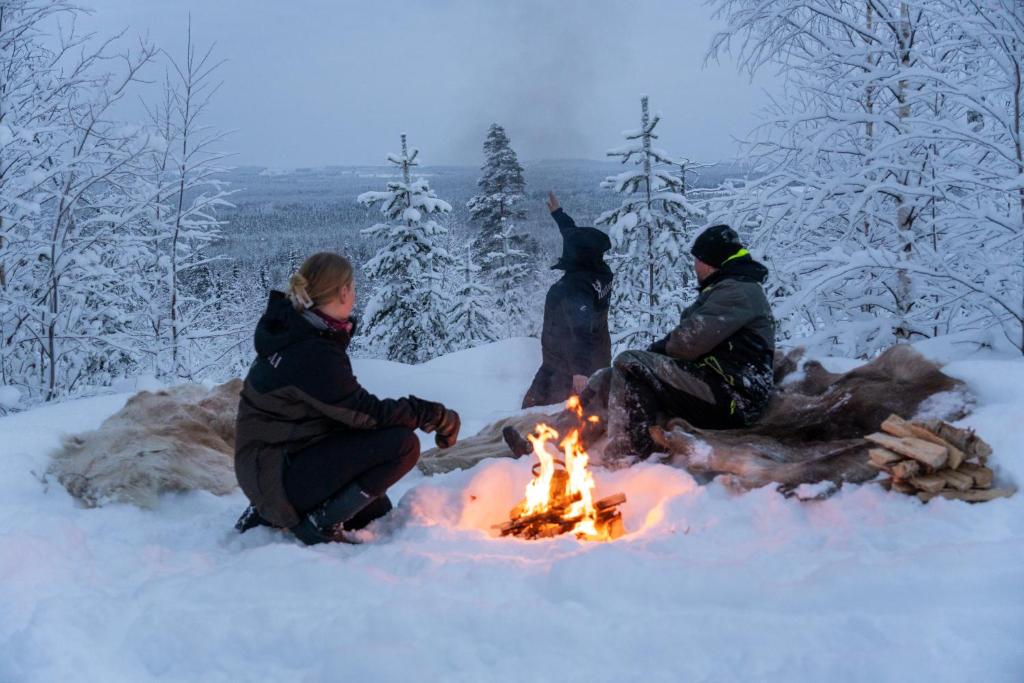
(315, 452)
(574, 341)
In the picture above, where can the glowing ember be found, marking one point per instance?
(560, 497)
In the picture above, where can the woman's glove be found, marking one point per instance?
(448, 430)
(434, 417)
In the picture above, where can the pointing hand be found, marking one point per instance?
(553, 204)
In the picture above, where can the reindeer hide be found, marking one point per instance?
(177, 439)
(812, 430)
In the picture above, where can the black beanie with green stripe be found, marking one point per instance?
(716, 245)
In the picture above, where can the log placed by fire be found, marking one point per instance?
(539, 525)
(553, 522)
(610, 501)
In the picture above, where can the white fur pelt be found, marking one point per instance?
(178, 439)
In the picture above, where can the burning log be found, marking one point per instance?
(553, 522)
(934, 458)
(559, 498)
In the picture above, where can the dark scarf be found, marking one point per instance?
(335, 324)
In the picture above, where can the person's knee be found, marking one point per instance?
(408, 447)
(628, 361)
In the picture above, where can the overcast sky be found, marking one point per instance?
(317, 82)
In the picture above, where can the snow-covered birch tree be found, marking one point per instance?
(183, 332)
(66, 197)
(888, 200)
(406, 318)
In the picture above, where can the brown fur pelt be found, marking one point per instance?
(822, 405)
(812, 430)
(178, 439)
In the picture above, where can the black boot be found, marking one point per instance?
(516, 442)
(379, 507)
(325, 523)
(250, 519)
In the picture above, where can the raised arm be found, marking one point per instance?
(564, 220)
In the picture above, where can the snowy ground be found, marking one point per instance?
(706, 586)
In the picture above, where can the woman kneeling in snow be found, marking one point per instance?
(314, 451)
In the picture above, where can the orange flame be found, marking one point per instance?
(579, 484)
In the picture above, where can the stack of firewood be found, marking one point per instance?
(934, 458)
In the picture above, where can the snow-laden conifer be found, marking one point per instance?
(472, 318)
(651, 232)
(406, 318)
(501, 188)
(513, 271)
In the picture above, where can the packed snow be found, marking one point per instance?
(707, 584)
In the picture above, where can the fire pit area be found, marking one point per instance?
(560, 497)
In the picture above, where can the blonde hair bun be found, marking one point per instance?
(319, 279)
(297, 291)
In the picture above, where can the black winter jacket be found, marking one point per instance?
(575, 338)
(300, 389)
(730, 331)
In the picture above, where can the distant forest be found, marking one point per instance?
(279, 217)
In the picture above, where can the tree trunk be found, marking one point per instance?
(645, 122)
(1017, 94)
(904, 211)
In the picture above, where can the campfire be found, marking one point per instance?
(560, 497)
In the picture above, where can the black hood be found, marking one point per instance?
(583, 249)
(743, 268)
(281, 326)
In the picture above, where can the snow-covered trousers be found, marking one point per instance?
(643, 386)
(375, 459)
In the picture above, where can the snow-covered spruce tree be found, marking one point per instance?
(471, 321)
(406, 318)
(889, 201)
(66, 202)
(501, 188)
(651, 232)
(185, 332)
(512, 271)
